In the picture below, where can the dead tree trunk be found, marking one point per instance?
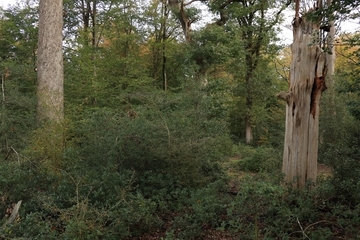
(307, 82)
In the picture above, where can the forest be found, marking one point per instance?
(179, 119)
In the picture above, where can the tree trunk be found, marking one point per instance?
(249, 106)
(330, 58)
(307, 82)
(93, 20)
(253, 36)
(50, 90)
(163, 43)
(2, 113)
(248, 130)
(178, 7)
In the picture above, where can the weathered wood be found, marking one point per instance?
(307, 82)
(14, 215)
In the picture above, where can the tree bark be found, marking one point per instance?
(163, 42)
(50, 90)
(178, 7)
(330, 58)
(2, 113)
(93, 20)
(307, 82)
(254, 39)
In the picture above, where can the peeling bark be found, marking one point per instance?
(307, 82)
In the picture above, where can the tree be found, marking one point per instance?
(307, 82)
(253, 22)
(160, 30)
(253, 31)
(18, 46)
(50, 90)
(186, 15)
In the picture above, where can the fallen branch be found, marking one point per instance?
(13, 216)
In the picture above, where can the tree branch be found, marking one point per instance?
(284, 95)
(188, 3)
(13, 216)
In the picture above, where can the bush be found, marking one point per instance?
(204, 209)
(121, 176)
(260, 159)
(169, 136)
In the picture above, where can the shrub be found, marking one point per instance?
(260, 159)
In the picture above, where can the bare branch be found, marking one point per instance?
(283, 75)
(188, 3)
(302, 230)
(284, 95)
(13, 216)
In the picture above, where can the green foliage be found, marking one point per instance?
(168, 137)
(203, 209)
(340, 132)
(17, 72)
(136, 162)
(210, 47)
(122, 167)
(260, 159)
(344, 159)
(267, 112)
(85, 208)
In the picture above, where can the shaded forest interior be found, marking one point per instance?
(172, 131)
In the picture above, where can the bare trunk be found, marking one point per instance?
(178, 7)
(249, 133)
(254, 41)
(50, 86)
(185, 22)
(330, 58)
(163, 39)
(2, 113)
(249, 107)
(50, 91)
(307, 81)
(93, 20)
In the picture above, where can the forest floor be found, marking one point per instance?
(324, 170)
(210, 233)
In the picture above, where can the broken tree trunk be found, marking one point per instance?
(307, 82)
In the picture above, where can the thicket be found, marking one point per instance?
(141, 163)
(171, 171)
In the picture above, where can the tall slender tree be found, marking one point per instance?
(164, 13)
(253, 21)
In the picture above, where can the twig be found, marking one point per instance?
(17, 154)
(322, 221)
(302, 230)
